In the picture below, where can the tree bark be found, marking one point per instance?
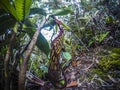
(6, 61)
(24, 64)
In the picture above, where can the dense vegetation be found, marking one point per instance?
(91, 27)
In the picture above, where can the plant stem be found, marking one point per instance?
(6, 61)
(24, 64)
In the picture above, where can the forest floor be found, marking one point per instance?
(78, 71)
(79, 75)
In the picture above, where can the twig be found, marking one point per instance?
(34, 79)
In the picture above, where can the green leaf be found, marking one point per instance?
(8, 7)
(37, 11)
(61, 12)
(22, 8)
(109, 19)
(114, 55)
(66, 27)
(41, 43)
(67, 55)
(116, 50)
(18, 8)
(62, 82)
(103, 36)
(90, 42)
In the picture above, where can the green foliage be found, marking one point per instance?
(61, 12)
(44, 68)
(66, 27)
(34, 11)
(116, 50)
(98, 38)
(109, 19)
(22, 8)
(35, 68)
(62, 82)
(102, 36)
(67, 55)
(87, 26)
(41, 43)
(109, 64)
(100, 73)
(8, 7)
(18, 8)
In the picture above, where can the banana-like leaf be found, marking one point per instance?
(18, 8)
(37, 11)
(22, 8)
(41, 43)
(61, 12)
(8, 7)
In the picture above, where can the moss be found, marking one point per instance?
(109, 64)
(100, 73)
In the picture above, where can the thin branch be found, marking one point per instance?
(23, 70)
(34, 79)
